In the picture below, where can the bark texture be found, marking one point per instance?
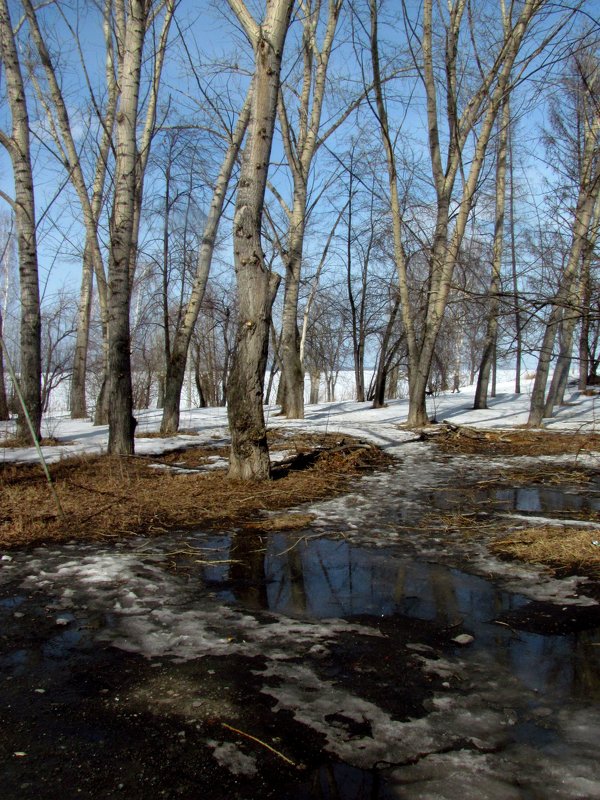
(249, 458)
(18, 147)
(120, 267)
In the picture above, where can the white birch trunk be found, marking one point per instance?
(249, 458)
(18, 147)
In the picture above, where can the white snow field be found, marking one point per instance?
(580, 413)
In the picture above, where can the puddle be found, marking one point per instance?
(524, 499)
(324, 578)
(384, 662)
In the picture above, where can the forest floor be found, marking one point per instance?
(98, 497)
(397, 615)
(109, 498)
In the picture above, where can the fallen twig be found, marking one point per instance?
(264, 744)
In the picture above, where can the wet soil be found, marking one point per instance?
(358, 657)
(82, 718)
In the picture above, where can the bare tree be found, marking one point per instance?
(131, 158)
(249, 459)
(489, 347)
(126, 24)
(178, 353)
(588, 191)
(58, 329)
(17, 145)
(91, 200)
(300, 113)
(470, 108)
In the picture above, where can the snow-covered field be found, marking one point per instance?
(507, 410)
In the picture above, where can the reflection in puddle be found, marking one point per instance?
(524, 499)
(326, 578)
(541, 499)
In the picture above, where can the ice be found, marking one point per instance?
(230, 756)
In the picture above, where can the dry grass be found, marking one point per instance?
(108, 498)
(518, 442)
(282, 522)
(564, 548)
(142, 434)
(47, 441)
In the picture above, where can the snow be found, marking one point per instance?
(507, 410)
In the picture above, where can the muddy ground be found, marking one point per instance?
(366, 655)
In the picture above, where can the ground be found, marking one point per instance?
(371, 644)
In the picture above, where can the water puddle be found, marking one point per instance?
(326, 578)
(524, 499)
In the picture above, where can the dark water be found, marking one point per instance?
(326, 578)
(545, 500)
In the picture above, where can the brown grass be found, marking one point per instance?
(518, 442)
(47, 441)
(108, 498)
(564, 548)
(142, 434)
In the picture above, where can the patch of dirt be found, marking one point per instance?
(107, 497)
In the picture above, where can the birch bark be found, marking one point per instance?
(249, 458)
(18, 147)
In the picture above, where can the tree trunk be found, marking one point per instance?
(584, 334)
(101, 410)
(120, 416)
(4, 411)
(585, 292)
(292, 371)
(160, 395)
(515, 277)
(249, 458)
(315, 383)
(24, 209)
(79, 374)
(383, 361)
(257, 287)
(301, 145)
(91, 207)
(487, 359)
